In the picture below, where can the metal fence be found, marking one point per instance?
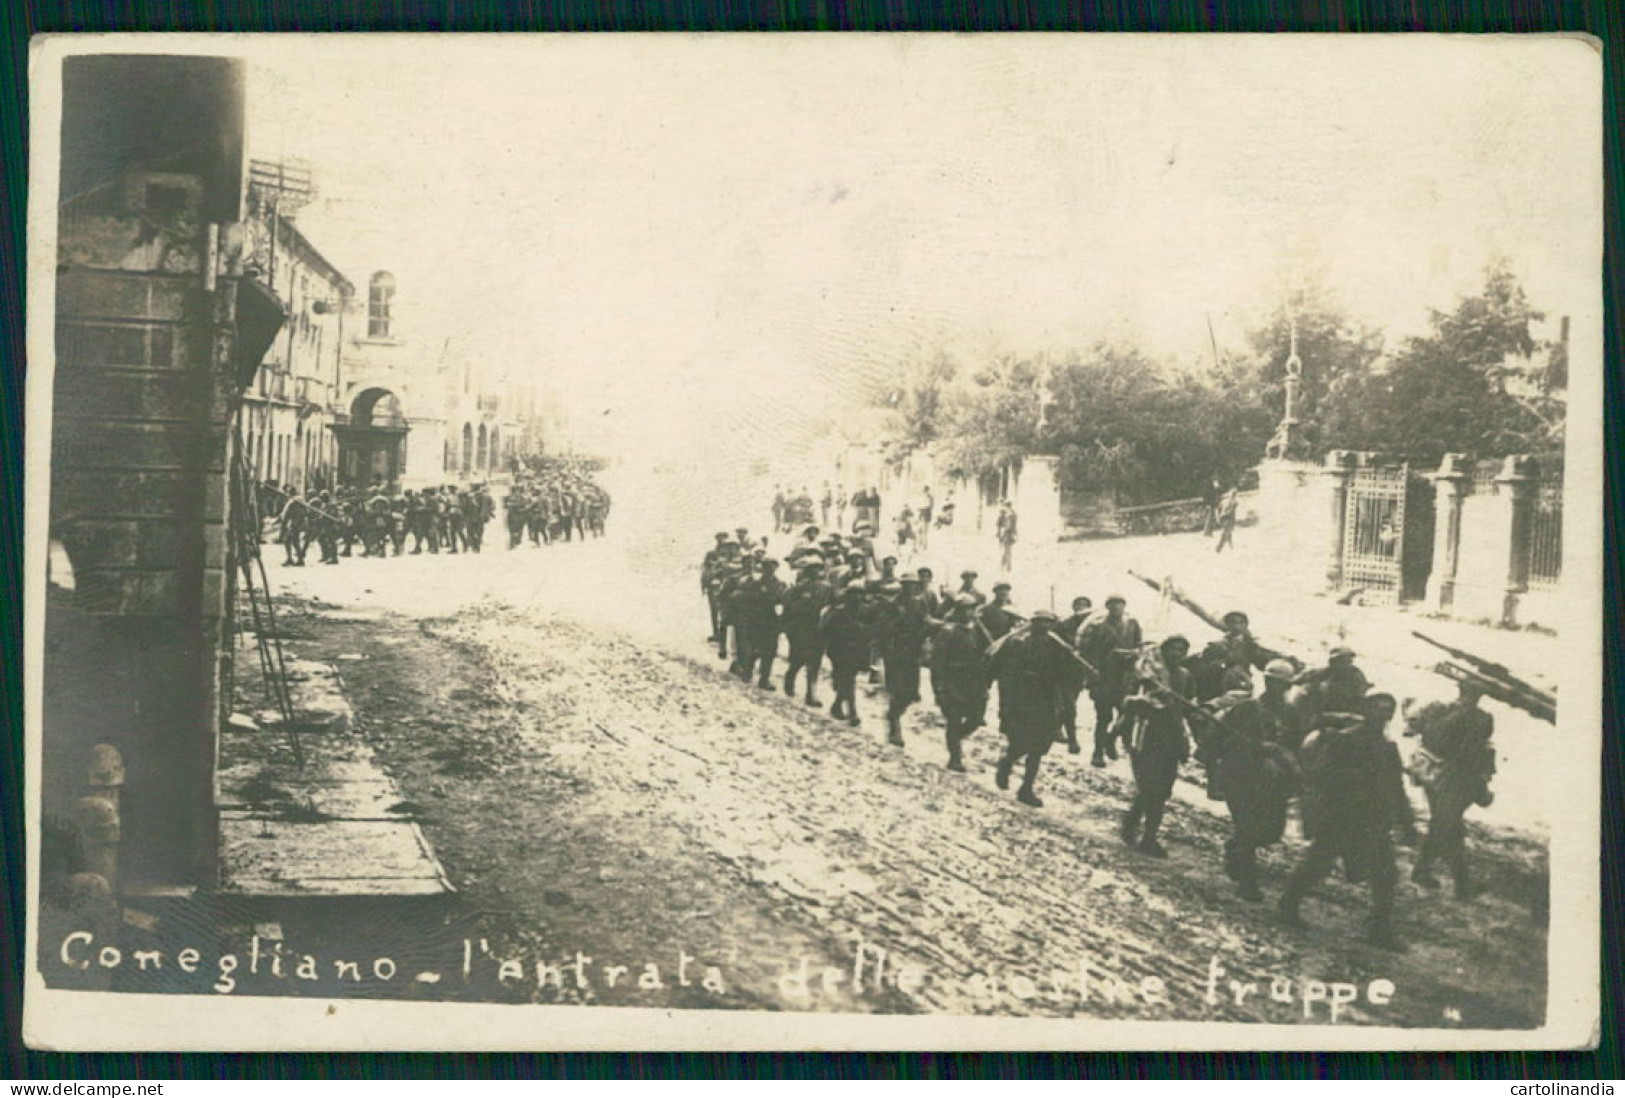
(1373, 532)
(1484, 474)
(1173, 516)
(1546, 535)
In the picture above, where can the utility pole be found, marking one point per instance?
(282, 187)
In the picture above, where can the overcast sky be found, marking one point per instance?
(677, 232)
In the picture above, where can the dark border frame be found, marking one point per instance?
(22, 18)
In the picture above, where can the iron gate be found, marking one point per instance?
(1546, 535)
(1374, 532)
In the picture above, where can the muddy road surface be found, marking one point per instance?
(627, 824)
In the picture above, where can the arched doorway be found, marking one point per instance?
(372, 446)
(468, 448)
(483, 439)
(496, 448)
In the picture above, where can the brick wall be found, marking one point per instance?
(143, 393)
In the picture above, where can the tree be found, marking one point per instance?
(1478, 383)
(1337, 354)
(991, 417)
(916, 405)
(1117, 419)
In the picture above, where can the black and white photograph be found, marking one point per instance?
(814, 542)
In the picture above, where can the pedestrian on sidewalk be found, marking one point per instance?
(904, 527)
(1210, 505)
(1005, 529)
(1226, 520)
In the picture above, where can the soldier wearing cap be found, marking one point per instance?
(996, 617)
(1158, 740)
(1338, 687)
(807, 542)
(881, 589)
(452, 533)
(845, 638)
(1453, 766)
(708, 566)
(933, 600)
(729, 573)
(1110, 643)
(959, 676)
(757, 623)
(1353, 799)
(804, 604)
(967, 586)
(888, 570)
(1251, 756)
(420, 522)
(1031, 670)
(295, 522)
(901, 627)
(325, 523)
(1227, 663)
(1068, 630)
(539, 510)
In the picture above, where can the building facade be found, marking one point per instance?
(288, 411)
(482, 421)
(389, 420)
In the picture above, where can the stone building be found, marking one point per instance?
(483, 428)
(158, 332)
(289, 408)
(390, 420)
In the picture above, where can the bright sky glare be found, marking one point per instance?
(681, 234)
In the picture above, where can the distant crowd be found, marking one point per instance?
(549, 500)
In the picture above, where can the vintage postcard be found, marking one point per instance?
(814, 542)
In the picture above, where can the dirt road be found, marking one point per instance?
(596, 786)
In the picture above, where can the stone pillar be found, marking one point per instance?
(1449, 490)
(1339, 469)
(1037, 497)
(1516, 483)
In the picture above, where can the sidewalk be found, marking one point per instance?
(319, 820)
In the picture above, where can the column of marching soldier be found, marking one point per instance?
(540, 508)
(1317, 735)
